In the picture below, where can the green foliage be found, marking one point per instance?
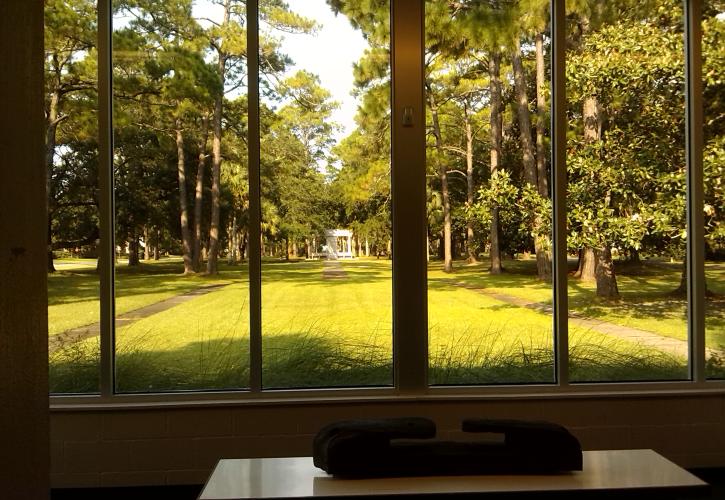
(628, 190)
(518, 208)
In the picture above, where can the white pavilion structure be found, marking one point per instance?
(338, 244)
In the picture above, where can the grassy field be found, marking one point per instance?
(336, 331)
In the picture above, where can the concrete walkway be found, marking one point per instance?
(83, 332)
(642, 337)
(332, 269)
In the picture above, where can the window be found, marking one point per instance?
(626, 194)
(489, 207)
(255, 197)
(713, 35)
(73, 206)
(325, 201)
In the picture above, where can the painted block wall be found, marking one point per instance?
(181, 445)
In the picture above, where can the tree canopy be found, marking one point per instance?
(180, 118)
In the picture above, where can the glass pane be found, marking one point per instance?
(626, 191)
(325, 176)
(182, 316)
(713, 59)
(489, 205)
(72, 166)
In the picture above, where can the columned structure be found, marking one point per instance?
(338, 244)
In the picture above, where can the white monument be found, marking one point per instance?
(338, 244)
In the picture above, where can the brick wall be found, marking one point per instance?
(181, 445)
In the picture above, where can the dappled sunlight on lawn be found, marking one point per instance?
(338, 332)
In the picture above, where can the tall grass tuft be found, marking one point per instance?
(319, 358)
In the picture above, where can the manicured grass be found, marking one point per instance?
(336, 331)
(646, 304)
(73, 290)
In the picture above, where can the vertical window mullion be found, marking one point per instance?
(255, 254)
(558, 165)
(106, 196)
(695, 220)
(410, 318)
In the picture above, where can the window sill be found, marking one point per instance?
(383, 395)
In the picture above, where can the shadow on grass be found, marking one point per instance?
(307, 361)
(645, 288)
(82, 285)
(289, 361)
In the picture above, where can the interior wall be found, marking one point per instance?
(170, 445)
(23, 303)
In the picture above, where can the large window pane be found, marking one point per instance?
(72, 168)
(325, 180)
(626, 191)
(181, 193)
(713, 50)
(489, 206)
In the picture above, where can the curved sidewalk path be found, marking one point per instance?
(56, 342)
(642, 337)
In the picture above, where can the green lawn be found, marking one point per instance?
(646, 303)
(73, 291)
(320, 331)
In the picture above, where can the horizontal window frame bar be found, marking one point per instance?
(363, 395)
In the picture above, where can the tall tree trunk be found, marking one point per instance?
(681, 289)
(146, 244)
(470, 241)
(183, 201)
(544, 243)
(133, 249)
(543, 262)
(604, 269)
(541, 111)
(211, 264)
(51, 265)
(199, 193)
(157, 244)
(243, 246)
(524, 118)
(592, 130)
(233, 241)
(427, 246)
(50, 143)
(606, 279)
(494, 71)
(587, 265)
(443, 176)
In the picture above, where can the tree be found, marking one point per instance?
(227, 40)
(626, 173)
(70, 33)
(181, 83)
(296, 148)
